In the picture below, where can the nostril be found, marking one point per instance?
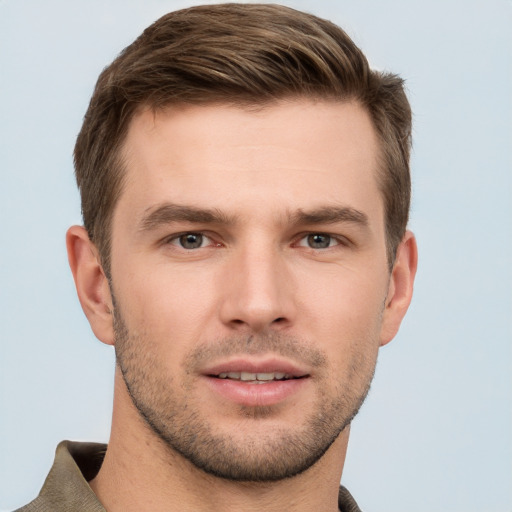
(278, 320)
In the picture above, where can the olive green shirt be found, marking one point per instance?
(66, 489)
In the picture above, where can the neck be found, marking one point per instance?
(140, 472)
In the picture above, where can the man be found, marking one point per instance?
(245, 192)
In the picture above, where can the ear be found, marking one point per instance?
(91, 283)
(400, 287)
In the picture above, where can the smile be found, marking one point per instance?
(254, 381)
(256, 378)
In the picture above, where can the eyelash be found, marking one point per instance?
(331, 238)
(175, 240)
(178, 239)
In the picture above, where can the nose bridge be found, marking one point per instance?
(257, 293)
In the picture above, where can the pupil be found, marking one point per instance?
(319, 241)
(191, 240)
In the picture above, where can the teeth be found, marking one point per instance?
(265, 376)
(248, 376)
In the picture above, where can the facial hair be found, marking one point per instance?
(168, 407)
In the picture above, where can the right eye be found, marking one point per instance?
(190, 241)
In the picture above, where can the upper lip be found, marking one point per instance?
(245, 364)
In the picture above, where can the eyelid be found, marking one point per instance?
(212, 242)
(168, 240)
(341, 240)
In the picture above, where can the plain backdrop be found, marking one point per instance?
(436, 431)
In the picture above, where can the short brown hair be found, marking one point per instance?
(237, 54)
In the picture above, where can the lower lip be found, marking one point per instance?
(253, 394)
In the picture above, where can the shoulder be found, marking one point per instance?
(66, 487)
(346, 503)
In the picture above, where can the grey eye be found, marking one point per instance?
(191, 240)
(319, 241)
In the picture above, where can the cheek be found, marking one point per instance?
(164, 301)
(344, 316)
(345, 301)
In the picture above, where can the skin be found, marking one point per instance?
(291, 272)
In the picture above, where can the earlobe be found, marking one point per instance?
(91, 283)
(400, 287)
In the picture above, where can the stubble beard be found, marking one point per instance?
(268, 456)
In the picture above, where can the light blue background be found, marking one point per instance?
(436, 431)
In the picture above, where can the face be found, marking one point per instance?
(249, 279)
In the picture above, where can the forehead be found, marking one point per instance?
(290, 154)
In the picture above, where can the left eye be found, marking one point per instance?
(318, 241)
(191, 241)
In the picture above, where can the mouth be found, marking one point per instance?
(251, 382)
(265, 370)
(256, 378)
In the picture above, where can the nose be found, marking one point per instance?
(258, 291)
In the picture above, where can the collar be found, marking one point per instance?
(66, 487)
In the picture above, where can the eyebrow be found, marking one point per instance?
(168, 213)
(331, 215)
